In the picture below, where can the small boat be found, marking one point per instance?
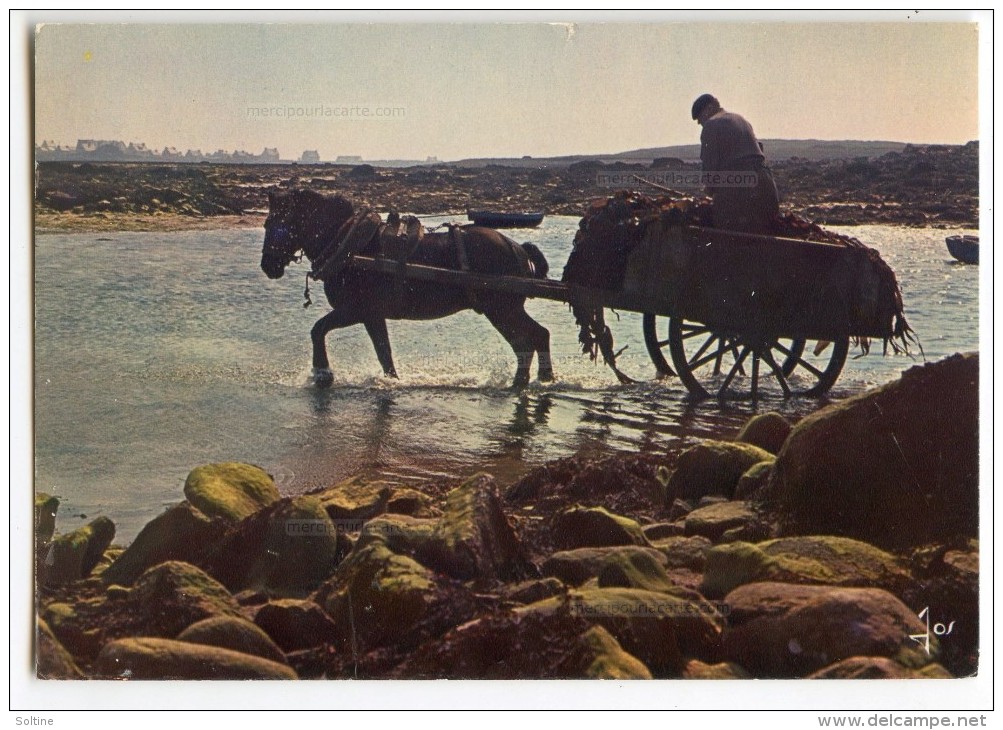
(964, 248)
(493, 219)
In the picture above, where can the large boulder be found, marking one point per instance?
(768, 431)
(378, 598)
(351, 502)
(296, 624)
(230, 490)
(896, 466)
(712, 468)
(288, 548)
(574, 567)
(578, 527)
(74, 555)
(812, 560)
(657, 628)
(45, 517)
(230, 632)
(52, 659)
(817, 630)
(471, 541)
(181, 533)
(714, 520)
(153, 658)
(172, 596)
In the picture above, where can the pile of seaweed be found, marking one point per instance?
(613, 227)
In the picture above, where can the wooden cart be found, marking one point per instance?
(734, 313)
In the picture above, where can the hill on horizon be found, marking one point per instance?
(776, 149)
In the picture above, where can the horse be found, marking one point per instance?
(305, 223)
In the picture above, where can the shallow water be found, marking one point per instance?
(156, 352)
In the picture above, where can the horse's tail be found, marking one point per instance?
(537, 260)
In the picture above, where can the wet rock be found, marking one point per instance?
(230, 490)
(181, 533)
(696, 669)
(877, 667)
(53, 661)
(834, 625)
(754, 481)
(685, 552)
(73, 556)
(595, 527)
(714, 520)
(353, 501)
(603, 658)
(896, 466)
(636, 569)
(574, 567)
(287, 549)
(662, 530)
(152, 658)
(173, 595)
(818, 560)
(657, 628)
(45, 518)
(73, 632)
(295, 624)
(378, 598)
(768, 431)
(531, 591)
(472, 540)
(712, 468)
(230, 632)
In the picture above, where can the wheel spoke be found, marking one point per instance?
(755, 374)
(778, 371)
(694, 332)
(714, 355)
(733, 371)
(810, 368)
(701, 351)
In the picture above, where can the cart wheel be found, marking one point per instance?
(725, 361)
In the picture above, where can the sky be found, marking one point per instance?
(409, 91)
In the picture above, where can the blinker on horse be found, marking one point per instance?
(306, 223)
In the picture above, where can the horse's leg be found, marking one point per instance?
(322, 375)
(377, 329)
(525, 336)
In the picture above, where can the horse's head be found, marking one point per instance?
(299, 221)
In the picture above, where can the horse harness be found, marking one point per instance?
(395, 244)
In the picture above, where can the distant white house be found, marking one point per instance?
(310, 157)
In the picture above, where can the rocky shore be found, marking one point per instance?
(933, 186)
(843, 546)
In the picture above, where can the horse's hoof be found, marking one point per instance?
(546, 376)
(322, 377)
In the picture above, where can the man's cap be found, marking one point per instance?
(702, 102)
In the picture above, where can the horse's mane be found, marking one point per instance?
(337, 204)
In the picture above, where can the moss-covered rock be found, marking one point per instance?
(768, 431)
(574, 567)
(712, 468)
(45, 518)
(73, 556)
(295, 624)
(351, 502)
(604, 658)
(52, 660)
(531, 591)
(877, 667)
(896, 466)
(153, 658)
(662, 530)
(377, 598)
(635, 569)
(836, 624)
(684, 552)
(714, 520)
(172, 596)
(180, 533)
(754, 481)
(288, 548)
(230, 490)
(578, 527)
(696, 669)
(657, 628)
(230, 632)
(731, 565)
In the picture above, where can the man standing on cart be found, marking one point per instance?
(735, 171)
